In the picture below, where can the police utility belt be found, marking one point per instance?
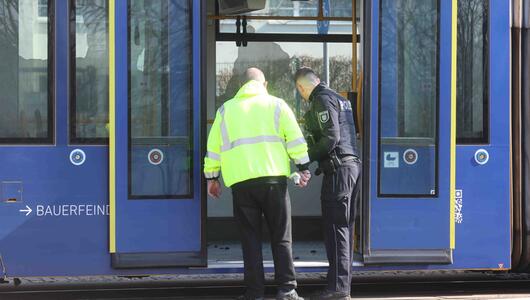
(330, 165)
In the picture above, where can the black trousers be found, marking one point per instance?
(272, 201)
(338, 196)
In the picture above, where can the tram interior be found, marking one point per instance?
(278, 38)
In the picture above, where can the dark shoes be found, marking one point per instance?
(329, 295)
(292, 295)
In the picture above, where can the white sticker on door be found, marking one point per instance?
(391, 160)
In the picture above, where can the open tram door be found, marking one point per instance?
(155, 134)
(409, 131)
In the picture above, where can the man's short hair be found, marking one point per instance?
(306, 72)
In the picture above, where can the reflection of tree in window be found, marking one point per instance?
(472, 88)
(340, 71)
(279, 66)
(149, 63)
(160, 68)
(271, 59)
(409, 70)
(24, 53)
(91, 21)
(160, 96)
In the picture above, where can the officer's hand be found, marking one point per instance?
(214, 188)
(305, 176)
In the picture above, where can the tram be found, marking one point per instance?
(105, 107)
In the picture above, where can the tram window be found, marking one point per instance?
(283, 8)
(89, 109)
(43, 8)
(473, 72)
(287, 8)
(26, 72)
(279, 61)
(342, 8)
(408, 96)
(160, 99)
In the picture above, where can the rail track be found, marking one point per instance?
(390, 284)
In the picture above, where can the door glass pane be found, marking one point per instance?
(160, 99)
(25, 72)
(473, 72)
(90, 87)
(408, 97)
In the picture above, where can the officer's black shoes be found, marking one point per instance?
(247, 297)
(329, 295)
(292, 295)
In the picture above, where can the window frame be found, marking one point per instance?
(437, 105)
(72, 103)
(486, 101)
(50, 138)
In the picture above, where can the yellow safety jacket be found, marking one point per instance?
(253, 135)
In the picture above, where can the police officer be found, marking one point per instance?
(332, 143)
(251, 141)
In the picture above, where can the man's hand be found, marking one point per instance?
(305, 176)
(214, 188)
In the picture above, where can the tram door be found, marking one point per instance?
(410, 157)
(155, 193)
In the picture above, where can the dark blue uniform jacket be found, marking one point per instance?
(330, 124)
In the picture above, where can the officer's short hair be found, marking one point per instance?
(306, 73)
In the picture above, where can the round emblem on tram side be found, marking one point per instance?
(410, 156)
(482, 156)
(155, 157)
(77, 157)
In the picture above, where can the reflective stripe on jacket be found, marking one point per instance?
(253, 135)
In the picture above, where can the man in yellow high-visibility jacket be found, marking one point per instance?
(251, 140)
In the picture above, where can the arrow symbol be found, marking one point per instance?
(27, 210)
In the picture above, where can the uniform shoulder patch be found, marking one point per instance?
(323, 116)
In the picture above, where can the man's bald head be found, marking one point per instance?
(255, 74)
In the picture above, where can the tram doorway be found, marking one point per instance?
(278, 39)
(407, 128)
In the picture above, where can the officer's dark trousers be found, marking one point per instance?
(338, 212)
(272, 201)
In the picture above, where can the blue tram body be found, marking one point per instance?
(75, 206)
